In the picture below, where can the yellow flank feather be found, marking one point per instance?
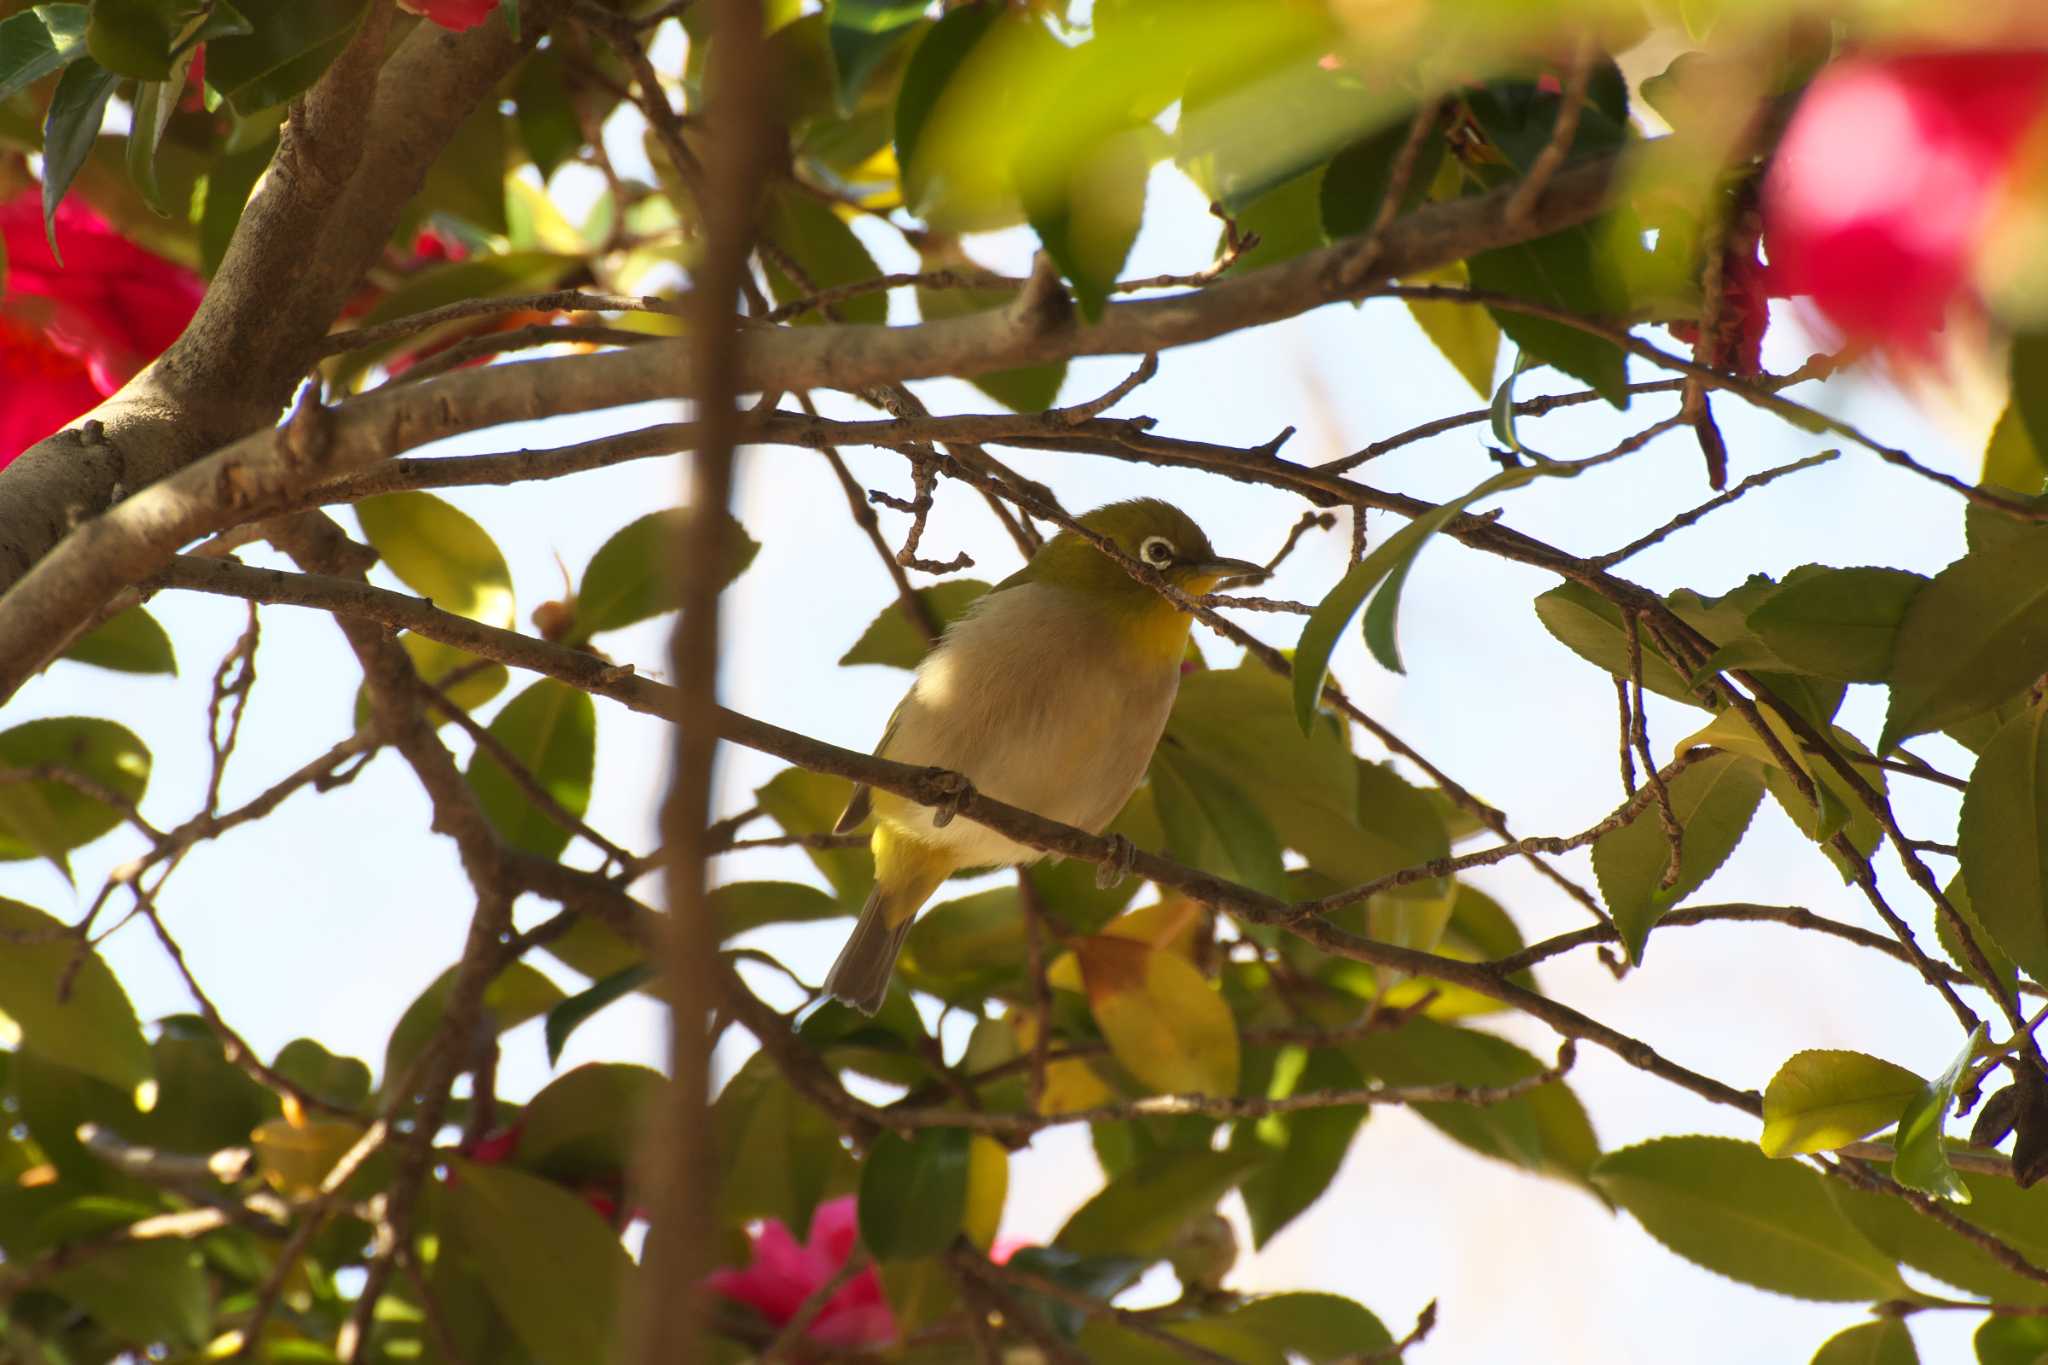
(907, 871)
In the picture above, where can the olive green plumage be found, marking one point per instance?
(1050, 694)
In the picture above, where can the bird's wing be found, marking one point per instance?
(861, 803)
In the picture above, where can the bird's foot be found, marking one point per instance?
(953, 790)
(1123, 857)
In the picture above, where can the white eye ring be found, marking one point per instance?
(1156, 551)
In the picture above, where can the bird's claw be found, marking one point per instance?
(953, 790)
(1123, 856)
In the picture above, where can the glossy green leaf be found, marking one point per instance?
(1713, 800)
(1999, 1206)
(967, 949)
(441, 553)
(1164, 1022)
(1591, 627)
(825, 249)
(1836, 809)
(551, 730)
(515, 995)
(2012, 1341)
(804, 802)
(1922, 1161)
(130, 642)
(863, 34)
(1560, 271)
(913, 1193)
(1303, 1149)
(565, 1018)
(341, 1081)
(1141, 1212)
(741, 906)
(46, 818)
(1359, 177)
(583, 1124)
(628, 580)
(70, 126)
(891, 639)
(1884, 1342)
(289, 44)
(972, 88)
(779, 1154)
(552, 1266)
(1723, 1204)
(2003, 841)
(1387, 561)
(2004, 975)
(1320, 1328)
(1212, 824)
(1824, 1099)
(1971, 638)
(548, 127)
(1087, 213)
(38, 41)
(89, 1027)
(1840, 623)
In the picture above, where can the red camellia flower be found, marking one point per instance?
(453, 14)
(71, 334)
(1887, 181)
(783, 1275)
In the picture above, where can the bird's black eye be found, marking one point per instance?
(1156, 551)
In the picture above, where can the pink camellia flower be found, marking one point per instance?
(71, 334)
(452, 14)
(783, 1275)
(1888, 179)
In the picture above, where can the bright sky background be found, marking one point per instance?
(328, 918)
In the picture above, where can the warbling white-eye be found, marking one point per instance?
(1049, 694)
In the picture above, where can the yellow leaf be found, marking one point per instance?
(1164, 1022)
(1464, 335)
(988, 1184)
(295, 1158)
(1071, 1085)
(1169, 924)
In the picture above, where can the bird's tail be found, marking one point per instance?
(907, 871)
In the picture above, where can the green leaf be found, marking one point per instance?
(1884, 1342)
(1922, 1162)
(2029, 403)
(780, 1155)
(341, 1081)
(1199, 806)
(1723, 1204)
(441, 553)
(548, 127)
(551, 1265)
(517, 994)
(229, 182)
(289, 44)
(804, 802)
(90, 1027)
(628, 580)
(741, 906)
(1824, 1099)
(138, 38)
(2011, 459)
(1028, 388)
(47, 819)
(2017, 1217)
(2004, 975)
(130, 642)
(891, 639)
(1286, 219)
(1303, 1149)
(1320, 1328)
(1358, 178)
(913, 1193)
(154, 1291)
(1468, 337)
(1388, 561)
(1839, 810)
(1142, 1212)
(1591, 627)
(1713, 800)
(1839, 623)
(466, 679)
(1971, 638)
(825, 249)
(1545, 1131)
(2011, 1341)
(38, 41)
(1087, 211)
(151, 110)
(70, 126)
(565, 1018)
(551, 729)
(862, 34)
(1165, 1024)
(583, 1125)
(970, 92)
(966, 950)
(2002, 839)
(1560, 271)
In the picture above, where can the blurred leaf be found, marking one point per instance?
(2011, 458)
(1839, 623)
(2005, 976)
(1099, 1277)
(1824, 1099)
(804, 802)
(230, 180)
(2002, 838)
(149, 1291)
(1922, 1161)
(38, 41)
(1713, 800)
(891, 639)
(1971, 638)
(1165, 1024)
(565, 1018)
(1884, 1342)
(972, 89)
(1303, 1149)
(70, 126)
(47, 818)
(780, 1155)
(823, 248)
(342, 1081)
(1320, 1328)
(1286, 219)
(553, 1267)
(1357, 181)
(628, 579)
(440, 552)
(89, 1027)
(1029, 388)
(548, 127)
(551, 729)
(130, 642)
(150, 113)
(2028, 405)
(862, 35)
(1723, 1204)
(913, 1193)
(584, 1123)
(1087, 212)
(517, 994)
(1467, 337)
(743, 906)
(967, 950)
(289, 44)
(1140, 1213)
(295, 1159)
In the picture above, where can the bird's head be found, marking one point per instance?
(1156, 534)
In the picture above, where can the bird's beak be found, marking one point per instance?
(1232, 572)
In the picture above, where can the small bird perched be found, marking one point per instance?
(1050, 695)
